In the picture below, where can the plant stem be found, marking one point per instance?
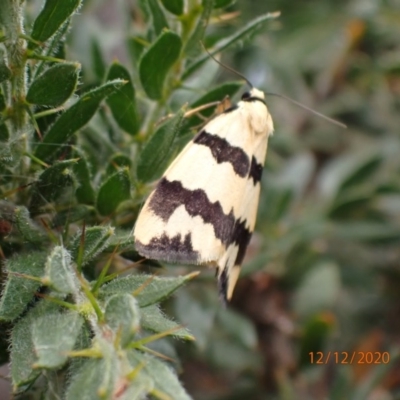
(11, 19)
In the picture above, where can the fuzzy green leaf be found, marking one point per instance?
(173, 6)
(84, 192)
(75, 118)
(123, 239)
(50, 19)
(23, 354)
(28, 228)
(60, 273)
(193, 46)
(159, 20)
(153, 319)
(55, 86)
(156, 62)
(113, 191)
(95, 380)
(156, 153)
(18, 291)
(150, 289)
(52, 183)
(239, 35)
(163, 377)
(95, 240)
(123, 316)
(78, 212)
(122, 102)
(53, 336)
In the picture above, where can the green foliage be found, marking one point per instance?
(156, 62)
(157, 152)
(81, 140)
(61, 78)
(70, 315)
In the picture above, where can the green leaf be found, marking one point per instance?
(5, 73)
(95, 380)
(123, 316)
(156, 62)
(150, 289)
(84, 192)
(159, 20)
(75, 118)
(50, 19)
(3, 104)
(164, 378)
(226, 355)
(95, 240)
(118, 161)
(123, 239)
(223, 44)
(155, 156)
(99, 67)
(367, 231)
(55, 86)
(113, 191)
(78, 212)
(223, 3)
(4, 134)
(173, 6)
(352, 205)
(28, 229)
(362, 173)
(60, 274)
(53, 336)
(238, 326)
(197, 310)
(18, 291)
(193, 46)
(153, 319)
(122, 102)
(138, 388)
(136, 46)
(318, 291)
(23, 354)
(52, 183)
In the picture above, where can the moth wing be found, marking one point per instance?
(190, 215)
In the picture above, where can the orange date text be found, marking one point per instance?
(349, 357)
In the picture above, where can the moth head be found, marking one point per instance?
(253, 95)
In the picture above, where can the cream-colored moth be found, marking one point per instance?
(203, 210)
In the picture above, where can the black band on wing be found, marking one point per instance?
(172, 249)
(223, 151)
(168, 196)
(256, 170)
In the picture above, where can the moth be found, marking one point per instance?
(203, 210)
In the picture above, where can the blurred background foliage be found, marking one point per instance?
(322, 272)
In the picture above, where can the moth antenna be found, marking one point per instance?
(226, 67)
(318, 114)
